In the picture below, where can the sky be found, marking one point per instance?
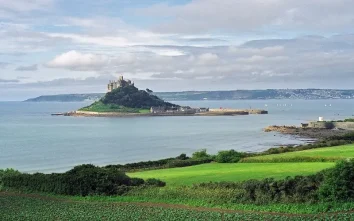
(77, 46)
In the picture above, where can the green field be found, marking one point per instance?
(318, 154)
(231, 172)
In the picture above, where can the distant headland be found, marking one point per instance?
(124, 99)
(308, 94)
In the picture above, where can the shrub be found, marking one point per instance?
(229, 156)
(288, 190)
(81, 180)
(183, 156)
(202, 154)
(142, 165)
(338, 182)
(5, 173)
(329, 125)
(155, 182)
(180, 161)
(186, 163)
(136, 181)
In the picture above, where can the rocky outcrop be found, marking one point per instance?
(312, 133)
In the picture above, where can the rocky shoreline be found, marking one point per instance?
(312, 133)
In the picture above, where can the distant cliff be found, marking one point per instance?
(312, 94)
(66, 98)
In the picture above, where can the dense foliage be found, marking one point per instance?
(6, 173)
(229, 156)
(181, 161)
(81, 180)
(98, 106)
(130, 96)
(331, 142)
(202, 154)
(335, 184)
(338, 185)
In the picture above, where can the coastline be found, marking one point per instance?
(212, 112)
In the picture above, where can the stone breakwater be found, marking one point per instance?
(249, 111)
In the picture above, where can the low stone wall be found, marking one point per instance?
(329, 124)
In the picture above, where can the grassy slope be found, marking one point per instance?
(230, 172)
(100, 107)
(329, 153)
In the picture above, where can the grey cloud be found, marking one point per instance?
(301, 59)
(3, 65)
(251, 15)
(9, 80)
(18, 39)
(205, 40)
(27, 68)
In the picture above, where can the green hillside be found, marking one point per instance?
(215, 172)
(318, 155)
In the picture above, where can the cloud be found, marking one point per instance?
(27, 68)
(115, 39)
(205, 40)
(205, 16)
(3, 65)
(19, 39)
(76, 61)
(25, 5)
(207, 59)
(9, 80)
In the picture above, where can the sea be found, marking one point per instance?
(31, 140)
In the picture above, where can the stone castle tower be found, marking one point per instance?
(118, 83)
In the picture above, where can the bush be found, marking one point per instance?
(289, 190)
(5, 173)
(155, 182)
(183, 156)
(202, 154)
(229, 156)
(180, 161)
(338, 182)
(142, 165)
(81, 180)
(186, 163)
(329, 125)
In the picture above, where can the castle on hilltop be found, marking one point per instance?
(118, 83)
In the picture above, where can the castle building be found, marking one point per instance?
(118, 83)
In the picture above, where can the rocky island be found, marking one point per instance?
(124, 99)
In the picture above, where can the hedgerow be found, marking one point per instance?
(81, 180)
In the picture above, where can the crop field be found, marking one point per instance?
(231, 172)
(19, 207)
(313, 155)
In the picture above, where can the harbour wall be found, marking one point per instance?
(249, 111)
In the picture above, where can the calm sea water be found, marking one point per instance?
(32, 140)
